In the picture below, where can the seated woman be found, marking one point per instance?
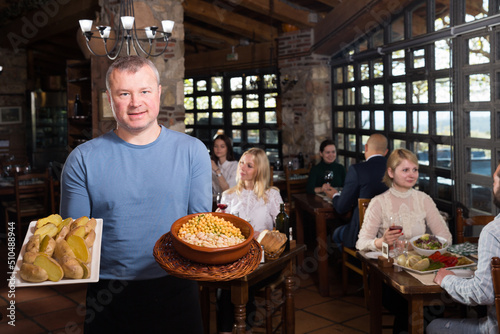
(223, 164)
(414, 210)
(256, 202)
(316, 181)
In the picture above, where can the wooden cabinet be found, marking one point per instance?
(88, 79)
(78, 74)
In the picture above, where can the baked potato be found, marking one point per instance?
(71, 267)
(47, 245)
(79, 247)
(52, 267)
(32, 273)
(63, 249)
(33, 244)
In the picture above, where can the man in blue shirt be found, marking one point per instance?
(139, 178)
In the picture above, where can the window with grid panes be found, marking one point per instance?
(240, 105)
(448, 115)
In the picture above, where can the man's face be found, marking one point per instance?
(496, 187)
(135, 99)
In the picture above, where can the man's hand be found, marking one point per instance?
(441, 274)
(329, 190)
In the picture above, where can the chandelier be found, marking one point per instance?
(136, 39)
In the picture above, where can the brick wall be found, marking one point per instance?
(306, 96)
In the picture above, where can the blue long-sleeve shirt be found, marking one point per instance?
(138, 191)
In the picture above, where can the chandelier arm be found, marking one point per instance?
(137, 41)
(94, 53)
(108, 53)
(162, 51)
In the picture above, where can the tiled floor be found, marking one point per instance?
(60, 309)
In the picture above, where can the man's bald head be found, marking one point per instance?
(376, 144)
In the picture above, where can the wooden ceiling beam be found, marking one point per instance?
(352, 20)
(249, 57)
(331, 3)
(227, 20)
(280, 12)
(45, 22)
(208, 37)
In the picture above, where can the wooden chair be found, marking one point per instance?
(296, 182)
(351, 252)
(495, 276)
(31, 201)
(462, 222)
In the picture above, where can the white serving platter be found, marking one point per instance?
(373, 255)
(95, 253)
(426, 272)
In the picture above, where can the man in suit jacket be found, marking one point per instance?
(363, 180)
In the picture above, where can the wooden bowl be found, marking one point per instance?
(209, 255)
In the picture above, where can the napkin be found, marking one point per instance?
(427, 279)
(464, 249)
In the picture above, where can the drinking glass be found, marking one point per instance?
(401, 247)
(329, 176)
(395, 224)
(222, 207)
(277, 165)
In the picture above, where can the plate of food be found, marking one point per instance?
(421, 264)
(60, 251)
(428, 244)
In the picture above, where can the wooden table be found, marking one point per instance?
(322, 211)
(417, 294)
(239, 289)
(7, 188)
(279, 180)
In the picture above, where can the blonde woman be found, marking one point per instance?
(414, 210)
(401, 205)
(252, 197)
(258, 203)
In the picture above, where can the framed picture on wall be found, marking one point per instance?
(105, 111)
(11, 115)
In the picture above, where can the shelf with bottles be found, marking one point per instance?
(79, 88)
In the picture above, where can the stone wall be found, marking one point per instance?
(171, 66)
(306, 95)
(171, 63)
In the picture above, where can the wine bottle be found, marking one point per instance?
(282, 225)
(301, 160)
(77, 108)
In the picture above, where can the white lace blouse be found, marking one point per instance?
(416, 211)
(259, 214)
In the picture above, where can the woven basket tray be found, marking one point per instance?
(274, 255)
(176, 265)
